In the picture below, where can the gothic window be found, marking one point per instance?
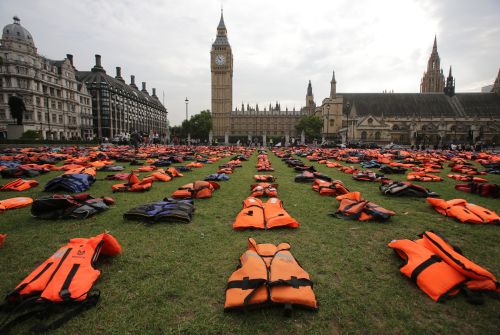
(370, 121)
(377, 135)
(395, 127)
(332, 123)
(363, 135)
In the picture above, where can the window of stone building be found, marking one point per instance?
(51, 91)
(370, 121)
(2, 114)
(363, 135)
(28, 115)
(60, 119)
(52, 104)
(8, 83)
(38, 101)
(332, 123)
(59, 105)
(39, 116)
(377, 135)
(46, 117)
(54, 118)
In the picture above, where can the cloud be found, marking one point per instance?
(277, 45)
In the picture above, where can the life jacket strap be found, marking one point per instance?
(421, 268)
(293, 282)
(91, 301)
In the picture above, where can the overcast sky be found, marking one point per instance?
(277, 45)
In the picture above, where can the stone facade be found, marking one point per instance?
(119, 108)
(433, 79)
(57, 105)
(252, 122)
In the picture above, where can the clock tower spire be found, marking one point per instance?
(221, 65)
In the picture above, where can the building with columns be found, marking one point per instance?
(119, 108)
(57, 105)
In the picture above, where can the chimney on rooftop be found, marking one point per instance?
(98, 60)
(119, 74)
(144, 88)
(70, 58)
(132, 81)
(154, 92)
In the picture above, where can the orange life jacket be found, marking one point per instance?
(353, 207)
(199, 189)
(333, 188)
(264, 189)
(438, 269)
(134, 184)
(2, 238)
(19, 185)
(264, 178)
(467, 178)
(13, 203)
(463, 211)
(68, 275)
(269, 274)
(86, 170)
(161, 175)
(259, 215)
(421, 176)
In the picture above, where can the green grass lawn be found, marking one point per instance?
(171, 278)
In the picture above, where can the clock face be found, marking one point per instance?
(220, 59)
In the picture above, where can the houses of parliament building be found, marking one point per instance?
(435, 116)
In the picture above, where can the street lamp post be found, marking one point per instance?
(189, 134)
(48, 112)
(348, 110)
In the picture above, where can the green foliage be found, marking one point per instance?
(199, 126)
(311, 125)
(31, 135)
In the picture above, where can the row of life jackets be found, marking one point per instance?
(329, 188)
(463, 211)
(264, 190)
(269, 275)
(13, 203)
(259, 215)
(353, 207)
(65, 277)
(404, 188)
(439, 269)
(19, 185)
(199, 189)
(263, 163)
(484, 190)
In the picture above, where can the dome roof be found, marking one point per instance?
(15, 31)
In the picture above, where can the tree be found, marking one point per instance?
(200, 125)
(31, 135)
(311, 125)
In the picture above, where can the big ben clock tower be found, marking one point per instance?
(221, 64)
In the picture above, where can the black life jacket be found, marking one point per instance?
(168, 210)
(63, 206)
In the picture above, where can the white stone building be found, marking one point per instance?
(57, 105)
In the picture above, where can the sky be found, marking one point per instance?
(278, 46)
